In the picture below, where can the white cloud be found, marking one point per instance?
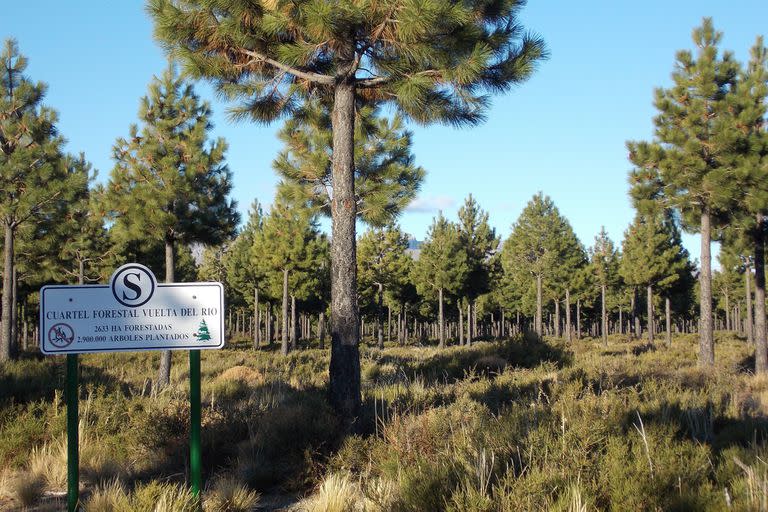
(431, 204)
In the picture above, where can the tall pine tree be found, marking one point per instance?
(604, 266)
(433, 60)
(748, 129)
(534, 255)
(34, 177)
(441, 267)
(291, 254)
(480, 242)
(654, 258)
(383, 266)
(169, 180)
(686, 157)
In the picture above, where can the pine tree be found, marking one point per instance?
(291, 254)
(480, 242)
(653, 257)
(203, 334)
(382, 267)
(685, 159)
(737, 251)
(242, 277)
(433, 60)
(243, 281)
(537, 253)
(212, 267)
(727, 284)
(604, 266)
(748, 109)
(573, 257)
(68, 234)
(584, 292)
(85, 246)
(169, 180)
(386, 179)
(441, 267)
(34, 178)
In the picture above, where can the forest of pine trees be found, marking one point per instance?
(531, 365)
(704, 171)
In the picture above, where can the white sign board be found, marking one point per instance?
(133, 312)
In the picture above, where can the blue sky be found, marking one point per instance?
(563, 132)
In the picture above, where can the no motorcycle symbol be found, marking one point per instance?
(61, 335)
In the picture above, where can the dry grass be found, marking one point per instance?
(153, 497)
(241, 373)
(337, 493)
(109, 497)
(228, 494)
(49, 463)
(27, 488)
(519, 425)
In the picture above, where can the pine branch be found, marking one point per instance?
(306, 75)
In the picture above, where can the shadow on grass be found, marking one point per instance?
(35, 377)
(268, 435)
(485, 358)
(705, 424)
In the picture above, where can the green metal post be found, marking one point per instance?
(73, 462)
(195, 459)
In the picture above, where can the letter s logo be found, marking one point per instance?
(136, 288)
(133, 285)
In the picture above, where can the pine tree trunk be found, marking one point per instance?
(256, 320)
(749, 327)
(268, 323)
(727, 313)
(557, 318)
(405, 326)
(621, 320)
(539, 319)
(636, 313)
(380, 317)
(25, 329)
(578, 319)
(441, 325)
(344, 371)
(284, 330)
(603, 315)
(461, 324)
(469, 323)
(164, 372)
(6, 350)
(706, 335)
(761, 344)
(293, 322)
(321, 329)
(503, 330)
(668, 316)
(15, 311)
(568, 315)
(649, 306)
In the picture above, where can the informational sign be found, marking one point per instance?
(133, 312)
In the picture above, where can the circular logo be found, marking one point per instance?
(61, 335)
(133, 285)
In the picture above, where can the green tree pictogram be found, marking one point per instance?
(202, 332)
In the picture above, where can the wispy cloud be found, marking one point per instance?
(431, 204)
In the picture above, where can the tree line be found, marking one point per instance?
(332, 74)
